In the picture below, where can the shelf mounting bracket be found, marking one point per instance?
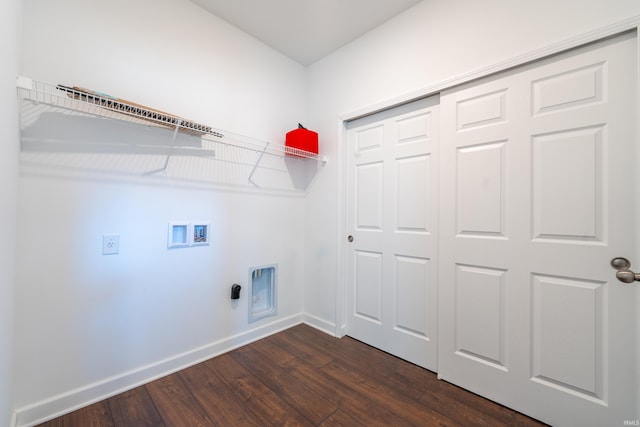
(264, 150)
(163, 169)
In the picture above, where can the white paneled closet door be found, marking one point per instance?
(538, 193)
(391, 261)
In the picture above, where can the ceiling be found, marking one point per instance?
(306, 30)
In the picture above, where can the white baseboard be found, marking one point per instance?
(320, 324)
(64, 403)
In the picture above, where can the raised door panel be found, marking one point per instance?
(414, 128)
(480, 189)
(481, 110)
(569, 335)
(568, 188)
(369, 139)
(368, 286)
(413, 194)
(369, 195)
(412, 296)
(480, 315)
(569, 89)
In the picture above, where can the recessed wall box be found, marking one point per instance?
(262, 292)
(200, 233)
(178, 235)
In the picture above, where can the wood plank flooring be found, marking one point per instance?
(299, 377)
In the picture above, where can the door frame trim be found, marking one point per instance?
(631, 24)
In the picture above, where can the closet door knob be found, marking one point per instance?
(350, 238)
(624, 273)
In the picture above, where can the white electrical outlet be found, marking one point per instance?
(110, 244)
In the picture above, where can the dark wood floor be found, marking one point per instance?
(299, 377)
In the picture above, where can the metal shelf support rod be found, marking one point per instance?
(173, 142)
(257, 163)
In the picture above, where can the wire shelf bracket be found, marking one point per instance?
(163, 169)
(257, 163)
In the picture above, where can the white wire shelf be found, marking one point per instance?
(84, 101)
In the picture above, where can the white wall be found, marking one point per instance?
(432, 42)
(88, 325)
(9, 146)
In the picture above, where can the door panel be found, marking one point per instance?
(411, 294)
(368, 286)
(578, 368)
(413, 195)
(481, 306)
(481, 190)
(391, 263)
(568, 207)
(537, 165)
(369, 195)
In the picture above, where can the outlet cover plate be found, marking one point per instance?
(110, 244)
